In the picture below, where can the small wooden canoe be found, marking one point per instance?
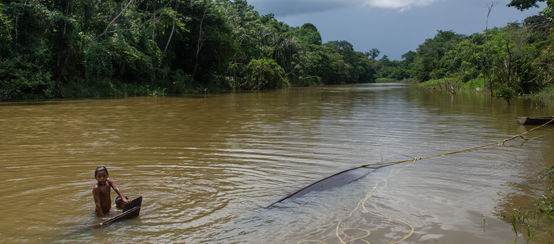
(535, 120)
(130, 210)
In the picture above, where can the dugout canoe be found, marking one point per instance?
(535, 120)
(130, 210)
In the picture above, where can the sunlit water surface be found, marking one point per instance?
(208, 166)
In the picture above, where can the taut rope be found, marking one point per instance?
(362, 202)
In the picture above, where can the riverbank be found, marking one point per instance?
(546, 93)
(392, 80)
(479, 85)
(111, 88)
(532, 217)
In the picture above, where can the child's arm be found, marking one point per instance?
(114, 187)
(96, 194)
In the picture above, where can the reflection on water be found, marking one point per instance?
(207, 166)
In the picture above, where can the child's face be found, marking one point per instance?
(101, 177)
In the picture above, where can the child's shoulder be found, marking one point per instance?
(109, 182)
(97, 187)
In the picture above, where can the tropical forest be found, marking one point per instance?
(73, 48)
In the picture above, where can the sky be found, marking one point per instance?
(392, 26)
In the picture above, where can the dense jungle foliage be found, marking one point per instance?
(76, 48)
(512, 60)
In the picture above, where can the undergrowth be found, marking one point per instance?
(536, 224)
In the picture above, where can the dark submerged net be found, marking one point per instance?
(339, 179)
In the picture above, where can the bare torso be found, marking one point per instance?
(102, 192)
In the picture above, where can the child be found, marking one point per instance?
(101, 192)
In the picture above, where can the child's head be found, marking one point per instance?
(100, 169)
(119, 203)
(101, 174)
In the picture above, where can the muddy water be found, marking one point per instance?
(207, 166)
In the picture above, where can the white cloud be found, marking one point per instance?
(398, 4)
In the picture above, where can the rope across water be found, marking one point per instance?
(465, 149)
(361, 204)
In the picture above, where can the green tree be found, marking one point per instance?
(429, 62)
(264, 74)
(308, 34)
(75, 48)
(524, 4)
(373, 53)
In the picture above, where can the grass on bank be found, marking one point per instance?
(385, 80)
(479, 85)
(433, 82)
(391, 80)
(546, 93)
(475, 84)
(472, 85)
(535, 223)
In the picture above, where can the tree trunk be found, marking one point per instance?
(176, 7)
(508, 65)
(491, 5)
(167, 44)
(16, 18)
(114, 19)
(199, 44)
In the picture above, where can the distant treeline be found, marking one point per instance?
(513, 60)
(83, 48)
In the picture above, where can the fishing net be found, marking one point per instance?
(339, 179)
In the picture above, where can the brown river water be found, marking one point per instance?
(207, 166)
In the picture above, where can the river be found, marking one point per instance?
(207, 166)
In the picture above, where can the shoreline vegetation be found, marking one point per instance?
(76, 49)
(478, 85)
(507, 62)
(533, 220)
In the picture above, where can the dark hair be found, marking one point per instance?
(100, 169)
(118, 200)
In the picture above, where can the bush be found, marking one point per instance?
(263, 74)
(505, 92)
(474, 84)
(20, 79)
(180, 82)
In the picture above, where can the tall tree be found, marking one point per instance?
(373, 53)
(524, 4)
